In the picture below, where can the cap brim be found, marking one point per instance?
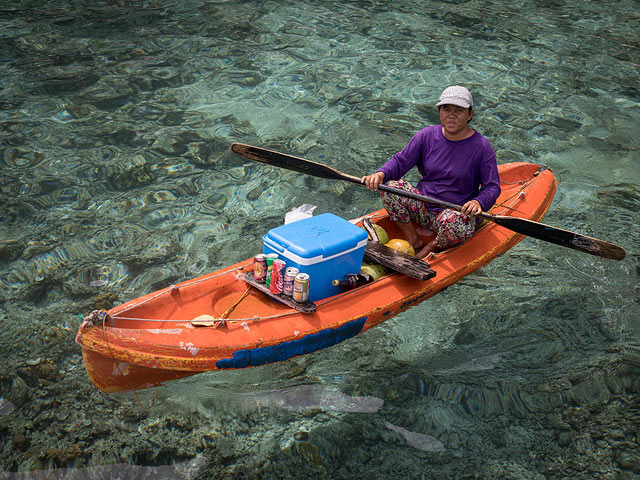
(454, 101)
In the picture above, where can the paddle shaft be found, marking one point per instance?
(417, 196)
(523, 226)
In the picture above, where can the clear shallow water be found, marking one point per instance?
(117, 178)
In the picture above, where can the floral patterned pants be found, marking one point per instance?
(451, 227)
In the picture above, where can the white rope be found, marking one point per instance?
(226, 320)
(171, 288)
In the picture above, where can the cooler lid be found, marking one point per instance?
(316, 239)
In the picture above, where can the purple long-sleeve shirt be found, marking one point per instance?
(453, 171)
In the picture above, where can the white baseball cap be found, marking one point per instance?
(456, 95)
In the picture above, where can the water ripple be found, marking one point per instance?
(117, 179)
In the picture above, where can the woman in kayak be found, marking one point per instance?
(457, 164)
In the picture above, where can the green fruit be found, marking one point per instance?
(374, 270)
(382, 233)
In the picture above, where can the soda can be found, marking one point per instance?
(270, 258)
(277, 274)
(289, 276)
(260, 267)
(301, 288)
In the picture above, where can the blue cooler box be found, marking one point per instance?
(326, 247)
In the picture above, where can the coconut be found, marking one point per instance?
(401, 246)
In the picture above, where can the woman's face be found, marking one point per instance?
(454, 119)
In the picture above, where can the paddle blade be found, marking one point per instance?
(288, 162)
(565, 238)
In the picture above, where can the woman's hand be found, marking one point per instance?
(472, 208)
(372, 181)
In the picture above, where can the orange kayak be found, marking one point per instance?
(162, 336)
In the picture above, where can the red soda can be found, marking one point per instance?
(287, 284)
(277, 274)
(259, 267)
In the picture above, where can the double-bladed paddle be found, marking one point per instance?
(523, 226)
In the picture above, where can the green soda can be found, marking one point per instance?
(270, 258)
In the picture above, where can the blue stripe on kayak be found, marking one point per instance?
(310, 343)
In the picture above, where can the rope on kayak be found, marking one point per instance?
(173, 288)
(187, 323)
(255, 318)
(232, 307)
(209, 321)
(519, 194)
(96, 317)
(177, 322)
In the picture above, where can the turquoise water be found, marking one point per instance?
(117, 179)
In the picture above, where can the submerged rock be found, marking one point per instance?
(10, 250)
(130, 174)
(6, 407)
(20, 442)
(104, 301)
(310, 453)
(629, 461)
(45, 371)
(18, 392)
(564, 438)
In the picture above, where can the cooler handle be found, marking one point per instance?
(273, 246)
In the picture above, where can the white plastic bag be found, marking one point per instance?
(299, 213)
